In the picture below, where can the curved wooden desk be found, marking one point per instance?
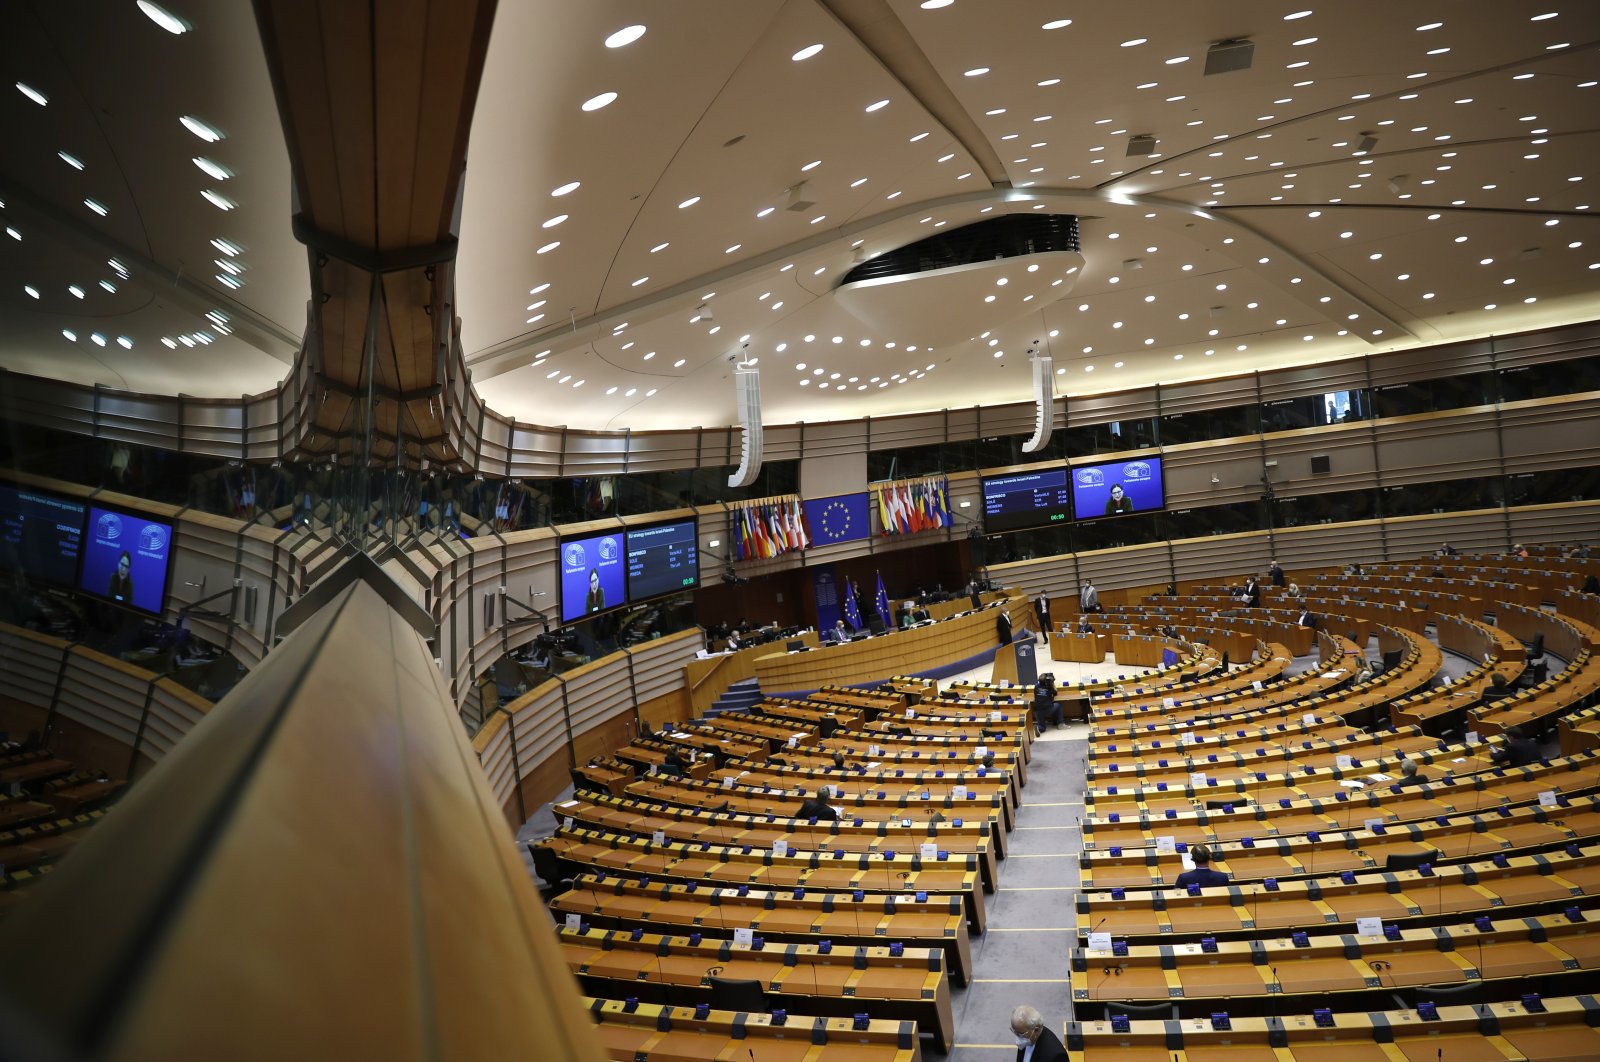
(884, 656)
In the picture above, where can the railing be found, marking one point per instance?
(318, 870)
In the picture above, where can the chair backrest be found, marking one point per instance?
(737, 994)
(1143, 1010)
(1410, 860)
(547, 865)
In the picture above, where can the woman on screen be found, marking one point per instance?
(597, 596)
(121, 588)
(1119, 502)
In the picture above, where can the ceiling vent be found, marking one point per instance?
(795, 198)
(1224, 57)
(1143, 144)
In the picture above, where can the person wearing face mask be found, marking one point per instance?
(1035, 1043)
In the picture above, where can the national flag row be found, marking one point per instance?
(769, 529)
(908, 506)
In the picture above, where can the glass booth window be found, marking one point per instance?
(1314, 411)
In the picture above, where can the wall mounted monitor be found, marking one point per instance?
(593, 575)
(41, 534)
(1117, 488)
(1026, 499)
(663, 559)
(126, 559)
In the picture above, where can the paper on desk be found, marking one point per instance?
(1342, 762)
(744, 937)
(1381, 777)
(1351, 783)
(1097, 941)
(1369, 927)
(574, 922)
(1188, 861)
(928, 851)
(1166, 844)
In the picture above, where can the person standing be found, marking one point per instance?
(1002, 627)
(1035, 1043)
(1088, 598)
(1275, 574)
(1041, 609)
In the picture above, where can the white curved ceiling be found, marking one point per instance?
(1257, 235)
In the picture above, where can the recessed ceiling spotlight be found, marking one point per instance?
(1175, 60)
(624, 36)
(1429, 26)
(977, 71)
(553, 222)
(806, 53)
(687, 203)
(70, 160)
(200, 129)
(570, 186)
(547, 248)
(1135, 42)
(1303, 41)
(1060, 23)
(1293, 15)
(96, 206)
(594, 103)
(32, 93)
(878, 106)
(221, 202)
(1546, 15)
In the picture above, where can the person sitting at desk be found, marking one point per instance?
(1202, 874)
(1085, 627)
(1591, 585)
(840, 632)
(1409, 775)
(1307, 618)
(1519, 749)
(812, 808)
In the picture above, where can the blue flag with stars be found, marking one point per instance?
(882, 601)
(839, 519)
(852, 609)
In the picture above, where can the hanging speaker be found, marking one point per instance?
(747, 390)
(1043, 404)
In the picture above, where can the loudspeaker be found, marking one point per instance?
(1321, 464)
(1224, 57)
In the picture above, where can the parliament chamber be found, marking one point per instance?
(855, 529)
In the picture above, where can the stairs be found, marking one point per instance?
(738, 698)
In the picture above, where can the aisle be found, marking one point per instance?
(1023, 956)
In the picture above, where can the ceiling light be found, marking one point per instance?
(163, 18)
(221, 202)
(1060, 23)
(977, 71)
(570, 186)
(33, 94)
(1175, 60)
(99, 340)
(70, 160)
(1135, 42)
(553, 222)
(624, 37)
(806, 53)
(1429, 26)
(229, 281)
(1546, 15)
(547, 248)
(124, 342)
(594, 103)
(687, 203)
(880, 105)
(97, 207)
(1305, 40)
(200, 129)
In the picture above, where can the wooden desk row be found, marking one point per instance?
(915, 800)
(910, 985)
(630, 1032)
(1526, 827)
(1565, 1029)
(1317, 746)
(811, 771)
(639, 818)
(934, 921)
(901, 872)
(1501, 881)
(1300, 815)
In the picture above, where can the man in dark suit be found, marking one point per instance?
(1035, 1043)
(1252, 592)
(1202, 874)
(1275, 574)
(1307, 618)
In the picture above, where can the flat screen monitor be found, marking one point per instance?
(41, 535)
(126, 559)
(593, 575)
(662, 559)
(1026, 499)
(1117, 488)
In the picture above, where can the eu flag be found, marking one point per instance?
(839, 519)
(852, 609)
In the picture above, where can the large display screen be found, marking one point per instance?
(126, 558)
(662, 559)
(41, 535)
(1029, 499)
(1117, 488)
(593, 575)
